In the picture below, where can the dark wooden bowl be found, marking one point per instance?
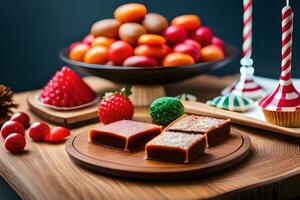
(146, 75)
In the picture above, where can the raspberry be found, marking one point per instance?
(66, 89)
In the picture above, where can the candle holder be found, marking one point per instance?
(246, 86)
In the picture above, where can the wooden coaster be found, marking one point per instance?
(133, 165)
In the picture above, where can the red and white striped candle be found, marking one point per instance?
(285, 97)
(247, 28)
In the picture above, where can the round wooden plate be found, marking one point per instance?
(133, 165)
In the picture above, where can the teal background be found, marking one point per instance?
(33, 32)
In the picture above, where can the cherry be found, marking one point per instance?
(22, 118)
(38, 131)
(15, 143)
(57, 134)
(12, 127)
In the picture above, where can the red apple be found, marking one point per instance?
(140, 61)
(21, 117)
(38, 131)
(203, 35)
(15, 143)
(175, 34)
(218, 42)
(193, 51)
(119, 51)
(10, 127)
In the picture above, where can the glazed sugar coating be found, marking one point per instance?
(124, 135)
(175, 147)
(197, 124)
(214, 129)
(175, 139)
(127, 128)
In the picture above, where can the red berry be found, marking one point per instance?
(218, 42)
(119, 51)
(175, 34)
(21, 117)
(12, 127)
(115, 108)
(57, 134)
(38, 131)
(203, 35)
(67, 89)
(15, 143)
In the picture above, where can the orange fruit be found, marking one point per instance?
(96, 55)
(154, 51)
(78, 52)
(211, 53)
(177, 59)
(188, 22)
(151, 39)
(131, 12)
(102, 41)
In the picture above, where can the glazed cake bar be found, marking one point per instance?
(175, 147)
(124, 135)
(214, 129)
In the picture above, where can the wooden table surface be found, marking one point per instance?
(44, 171)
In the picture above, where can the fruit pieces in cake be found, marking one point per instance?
(214, 129)
(175, 147)
(125, 135)
(66, 89)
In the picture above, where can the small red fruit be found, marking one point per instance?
(167, 49)
(38, 131)
(116, 107)
(15, 143)
(12, 127)
(119, 51)
(218, 42)
(140, 61)
(175, 34)
(21, 117)
(188, 49)
(57, 134)
(88, 39)
(74, 44)
(193, 43)
(203, 35)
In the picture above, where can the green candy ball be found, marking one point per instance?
(165, 110)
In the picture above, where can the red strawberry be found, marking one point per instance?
(66, 89)
(116, 107)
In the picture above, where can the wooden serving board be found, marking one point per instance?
(72, 118)
(239, 118)
(133, 165)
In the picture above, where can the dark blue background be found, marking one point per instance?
(32, 32)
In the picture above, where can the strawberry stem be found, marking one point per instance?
(126, 91)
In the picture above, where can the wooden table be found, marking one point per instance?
(45, 171)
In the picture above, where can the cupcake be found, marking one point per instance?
(282, 107)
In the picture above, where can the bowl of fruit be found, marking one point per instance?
(140, 48)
